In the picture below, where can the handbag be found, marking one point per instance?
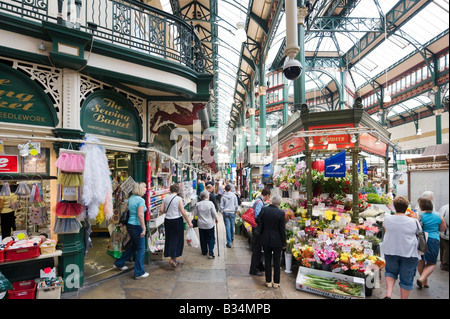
(124, 217)
(249, 216)
(259, 225)
(422, 239)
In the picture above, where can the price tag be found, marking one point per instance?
(340, 207)
(324, 196)
(353, 260)
(368, 252)
(329, 244)
(327, 230)
(341, 236)
(301, 233)
(361, 220)
(367, 243)
(346, 249)
(317, 258)
(336, 232)
(323, 237)
(369, 233)
(354, 232)
(308, 223)
(351, 224)
(321, 205)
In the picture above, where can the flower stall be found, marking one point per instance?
(333, 224)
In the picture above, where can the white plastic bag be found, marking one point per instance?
(191, 238)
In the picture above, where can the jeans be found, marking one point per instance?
(257, 261)
(207, 240)
(403, 267)
(138, 246)
(229, 219)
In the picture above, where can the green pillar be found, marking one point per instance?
(309, 182)
(139, 165)
(262, 109)
(438, 112)
(71, 262)
(286, 101)
(300, 83)
(252, 118)
(354, 152)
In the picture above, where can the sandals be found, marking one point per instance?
(173, 263)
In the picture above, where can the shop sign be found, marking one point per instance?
(23, 101)
(9, 164)
(335, 165)
(369, 143)
(291, 147)
(111, 114)
(332, 139)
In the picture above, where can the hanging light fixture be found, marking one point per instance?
(378, 142)
(325, 140)
(311, 142)
(353, 139)
(419, 132)
(241, 35)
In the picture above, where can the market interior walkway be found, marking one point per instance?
(225, 277)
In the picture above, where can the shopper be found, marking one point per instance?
(273, 225)
(200, 187)
(229, 207)
(136, 229)
(7, 215)
(207, 216)
(257, 262)
(209, 181)
(433, 223)
(400, 248)
(426, 194)
(444, 239)
(212, 196)
(173, 207)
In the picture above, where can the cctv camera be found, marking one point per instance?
(292, 69)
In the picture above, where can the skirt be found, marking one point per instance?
(70, 162)
(174, 237)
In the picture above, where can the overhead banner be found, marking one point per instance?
(335, 165)
(364, 168)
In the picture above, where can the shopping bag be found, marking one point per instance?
(191, 238)
(5, 284)
(115, 244)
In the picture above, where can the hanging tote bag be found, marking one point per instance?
(249, 215)
(422, 239)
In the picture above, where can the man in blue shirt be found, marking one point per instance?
(257, 265)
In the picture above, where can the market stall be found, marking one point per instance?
(333, 211)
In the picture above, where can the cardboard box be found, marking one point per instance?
(300, 283)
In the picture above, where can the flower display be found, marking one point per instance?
(326, 256)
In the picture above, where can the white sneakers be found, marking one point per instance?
(121, 268)
(142, 276)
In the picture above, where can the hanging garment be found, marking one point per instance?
(68, 209)
(96, 178)
(67, 226)
(70, 179)
(23, 189)
(70, 162)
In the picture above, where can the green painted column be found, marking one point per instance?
(262, 109)
(300, 83)
(286, 101)
(354, 152)
(438, 111)
(252, 119)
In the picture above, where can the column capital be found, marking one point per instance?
(302, 12)
(262, 90)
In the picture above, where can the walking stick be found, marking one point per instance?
(217, 236)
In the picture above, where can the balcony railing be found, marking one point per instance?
(129, 24)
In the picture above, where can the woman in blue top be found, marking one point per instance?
(136, 229)
(433, 223)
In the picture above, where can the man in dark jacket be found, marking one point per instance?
(273, 225)
(212, 196)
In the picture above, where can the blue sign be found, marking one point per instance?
(335, 165)
(364, 168)
(267, 170)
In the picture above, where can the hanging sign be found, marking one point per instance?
(109, 113)
(8, 164)
(23, 101)
(364, 168)
(335, 165)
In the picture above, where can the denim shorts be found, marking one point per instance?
(430, 257)
(403, 267)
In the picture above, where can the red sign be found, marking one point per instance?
(369, 144)
(8, 164)
(332, 139)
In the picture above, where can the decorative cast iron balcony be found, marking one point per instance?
(125, 23)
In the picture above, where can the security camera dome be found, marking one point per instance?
(292, 69)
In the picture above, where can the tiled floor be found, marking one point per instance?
(225, 277)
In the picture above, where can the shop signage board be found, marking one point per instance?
(111, 114)
(9, 164)
(23, 101)
(335, 165)
(369, 143)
